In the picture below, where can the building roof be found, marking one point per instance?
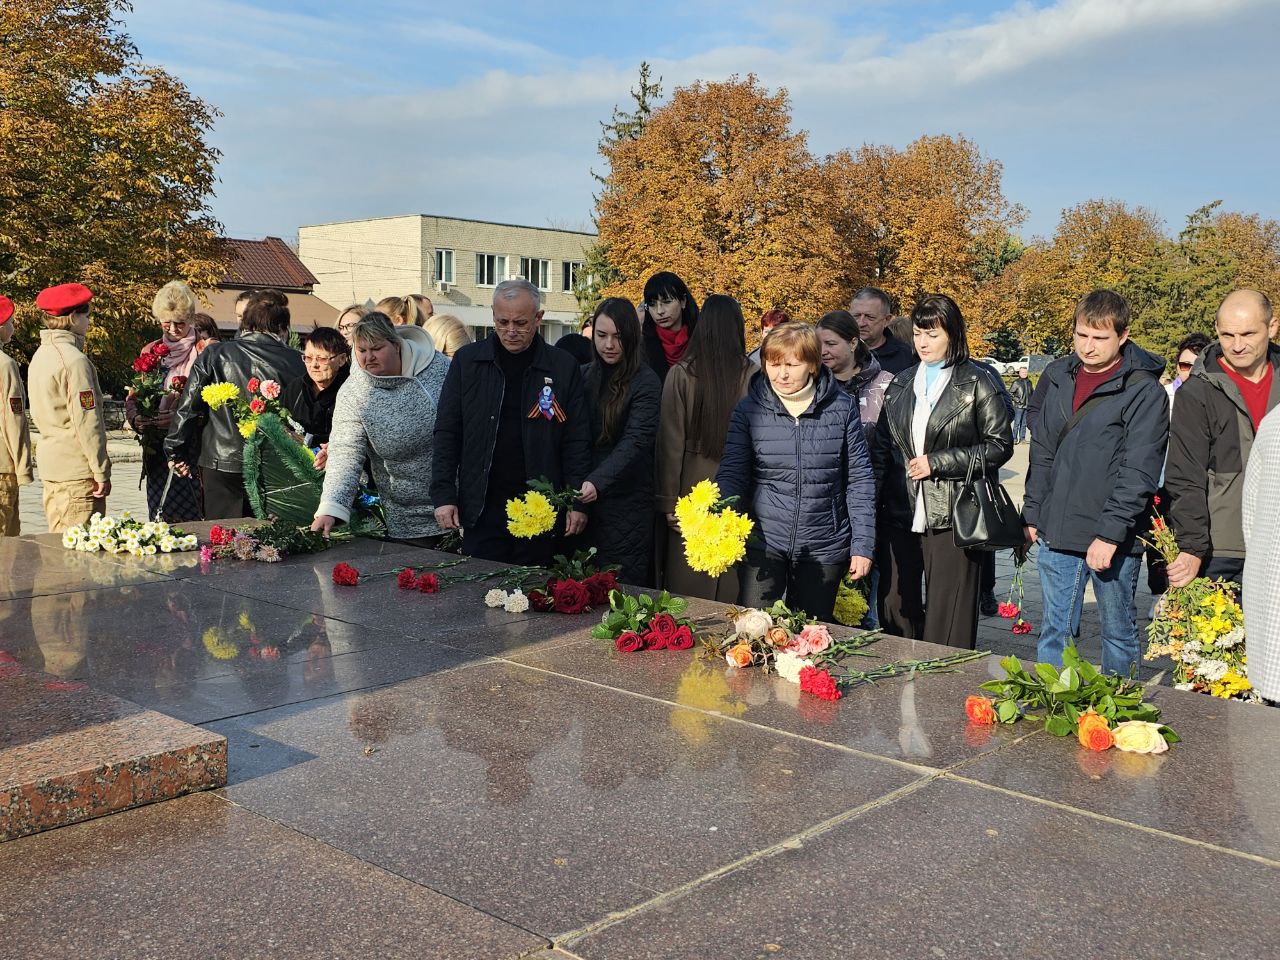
(267, 263)
(306, 311)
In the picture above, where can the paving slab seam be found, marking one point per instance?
(852, 751)
(1115, 821)
(782, 846)
(346, 854)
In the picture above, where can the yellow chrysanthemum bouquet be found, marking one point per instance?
(535, 513)
(715, 535)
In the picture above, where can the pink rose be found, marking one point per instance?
(814, 638)
(270, 389)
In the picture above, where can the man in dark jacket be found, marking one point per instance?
(258, 352)
(1020, 394)
(512, 410)
(873, 310)
(1215, 419)
(1097, 446)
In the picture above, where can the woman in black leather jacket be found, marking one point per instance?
(936, 414)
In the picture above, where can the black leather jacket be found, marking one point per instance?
(213, 434)
(974, 409)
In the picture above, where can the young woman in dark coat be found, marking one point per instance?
(937, 415)
(622, 396)
(796, 457)
(669, 315)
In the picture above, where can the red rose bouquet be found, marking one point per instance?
(646, 623)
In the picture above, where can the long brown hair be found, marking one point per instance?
(717, 357)
(612, 397)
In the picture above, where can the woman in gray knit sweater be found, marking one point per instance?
(386, 412)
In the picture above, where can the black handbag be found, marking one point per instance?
(983, 517)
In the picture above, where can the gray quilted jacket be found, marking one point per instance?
(390, 421)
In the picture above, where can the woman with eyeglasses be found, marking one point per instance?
(311, 401)
(348, 319)
(174, 310)
(669, 315)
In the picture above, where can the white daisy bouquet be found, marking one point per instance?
(129, 535)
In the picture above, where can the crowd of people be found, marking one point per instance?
(847, 444)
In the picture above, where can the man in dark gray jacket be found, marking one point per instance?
(1097, 446)
(1215, 419)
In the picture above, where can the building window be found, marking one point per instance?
(537, 272)
(491, 269)
(444, 266)
(570, 270)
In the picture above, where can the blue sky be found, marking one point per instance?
(349, 110)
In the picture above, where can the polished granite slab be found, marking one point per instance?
(544, 801)
(30, 569)
(70, 753)
(201, 877)
(1221, 784)
(954, 871)
(919, 721)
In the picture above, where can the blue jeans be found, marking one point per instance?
(872, 620)
(1063, 577)
(1019, 424)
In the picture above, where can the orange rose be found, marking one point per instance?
(980, 710)
(1094, 733)
(779, 637)
(740, 655)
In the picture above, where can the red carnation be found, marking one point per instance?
(820, 683)
(406, 579)
(160, 350)
(254, 383)
(654, 640)
(600, 585)
(345, 575)
(663, 624)
(540, 600)
(1009, 610)
(178, 384)
(257, 405)
(681, 639)
(570, 596)
(221, 536)
(1021, 626)
(429, 583)
(629, 641)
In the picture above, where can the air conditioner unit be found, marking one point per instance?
(442, 286)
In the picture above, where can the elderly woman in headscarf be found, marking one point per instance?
(174, 310)
(386, 413)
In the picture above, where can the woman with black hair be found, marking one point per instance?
(670, 316)
(697, 401)
(938, 415)
(854, 366)
(622, 396)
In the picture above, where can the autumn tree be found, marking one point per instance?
(719, 189)
(105, 174)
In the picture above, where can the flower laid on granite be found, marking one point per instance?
(645, 622)
(267, 543)
(819, 682)
(573, 585)
(515, 602)
(429, 583)
(495, 598)
(1200, 626)
(124, 534)
(535, 513)
(715, 535)
(345, 575)
(1139, 736)
(1078, 699)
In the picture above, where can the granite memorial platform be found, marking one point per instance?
(417, 775)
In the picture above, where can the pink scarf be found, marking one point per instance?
(182, 355)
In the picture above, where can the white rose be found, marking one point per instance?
(516, 603)
(789, 665)
(753, 624)
(495, 598)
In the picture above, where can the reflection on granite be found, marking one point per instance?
(28, 569)
(199, 877)
(543, 801)
(1219, 784)
(920, 721)
(69, 753)
(955, 871)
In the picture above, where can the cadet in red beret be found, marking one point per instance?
(15, 437)
(66, 405)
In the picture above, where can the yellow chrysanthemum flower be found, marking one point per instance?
(248, 428)
(218, 394)
(530, 516)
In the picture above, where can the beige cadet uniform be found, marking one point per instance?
(66, 405)
(15, 445)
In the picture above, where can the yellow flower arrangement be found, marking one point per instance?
(531, 515)
(217, 395)
(715, 535)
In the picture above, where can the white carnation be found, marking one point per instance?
(1212, 670)
(495, 598)
(789, 665)
(516, 603)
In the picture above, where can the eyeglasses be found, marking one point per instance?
(1183, 365)
(312, 358)
(174, 323)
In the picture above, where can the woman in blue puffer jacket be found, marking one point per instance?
(796, 457)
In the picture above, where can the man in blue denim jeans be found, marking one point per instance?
(1098, 439)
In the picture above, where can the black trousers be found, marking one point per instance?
(951, 576)
(766, 576)
(489, 539)
(224, 496)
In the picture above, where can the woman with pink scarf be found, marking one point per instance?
(174, 309)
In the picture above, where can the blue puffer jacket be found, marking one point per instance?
(806, 480)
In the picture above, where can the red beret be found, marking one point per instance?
(63, 299)
(6, 310)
